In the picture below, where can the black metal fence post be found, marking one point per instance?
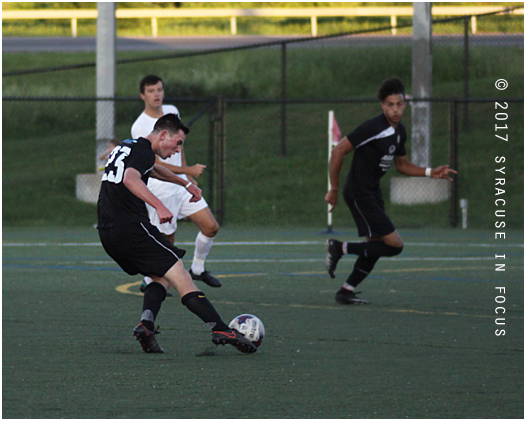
(453, 161)
(466, 73)
(211, 156)
(221, 159)
(283, 144)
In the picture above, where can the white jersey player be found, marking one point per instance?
(176, 198)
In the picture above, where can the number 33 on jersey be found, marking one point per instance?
(115, 165)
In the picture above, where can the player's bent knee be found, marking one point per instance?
(161, 281)
(206, 222)
(396, 244)
(211, 229)
(398, 250)
(390, 251)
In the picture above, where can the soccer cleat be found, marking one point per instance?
(349, 298)
(144, 285)
(234, 338)
(147, 339)
(207, 278)
(334, 254)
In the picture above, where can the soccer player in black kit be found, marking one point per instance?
(139, 247)
(376, 144)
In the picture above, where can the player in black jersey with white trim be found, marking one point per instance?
(139, 247)
(376, 144)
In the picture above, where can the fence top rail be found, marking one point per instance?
(364, 100)
(210, 100)
(95, 98)
(260, 12)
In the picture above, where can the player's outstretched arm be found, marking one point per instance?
(404, 166)
(161, 173)
(164, 174)
(442, 171)
(335, 166)
(133, 182)
(194, 171)
(195, 191)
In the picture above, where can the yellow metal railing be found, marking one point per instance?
(233, 14)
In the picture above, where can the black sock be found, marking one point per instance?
(198, 304)
(373, 249)
(362, 268)
(356, 248)
(379, 248)
(154, 295)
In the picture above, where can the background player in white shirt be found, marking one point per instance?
(175, 197)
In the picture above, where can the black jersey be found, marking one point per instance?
(376, 143)
(117, 205)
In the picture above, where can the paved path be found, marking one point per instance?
(12, 44)
(70, 44)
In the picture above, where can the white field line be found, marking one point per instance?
(261, 243)
(399, 259)
(321, 259)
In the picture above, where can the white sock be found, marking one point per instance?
(198, 266)
(148, 280)
(348, 287)
(344, 247)
(203, 244)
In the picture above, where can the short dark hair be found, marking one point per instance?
(391, 86)
(149, 80)
(171, 123)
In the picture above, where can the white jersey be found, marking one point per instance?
(142, 127)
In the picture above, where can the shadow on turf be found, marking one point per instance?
(218, 353)
(207, 353)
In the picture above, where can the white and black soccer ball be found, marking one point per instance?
(250, 327)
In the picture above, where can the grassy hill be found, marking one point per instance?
(46, 143)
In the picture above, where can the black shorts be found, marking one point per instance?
(369, 214)
(140, 248)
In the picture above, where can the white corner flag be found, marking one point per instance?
(334, 137)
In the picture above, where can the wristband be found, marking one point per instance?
(188, 185)
(428, 172)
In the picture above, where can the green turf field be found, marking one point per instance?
(425, 348)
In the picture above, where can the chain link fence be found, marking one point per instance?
(265, 141)
(300, 178)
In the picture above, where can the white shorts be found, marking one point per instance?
(181, 207)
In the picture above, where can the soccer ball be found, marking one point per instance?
(250, 327)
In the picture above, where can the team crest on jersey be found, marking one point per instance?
(392, 148)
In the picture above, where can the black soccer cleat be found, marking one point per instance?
(207, 278)
(147, 339)
(234, 338)
(334, 254)
(349, 298)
